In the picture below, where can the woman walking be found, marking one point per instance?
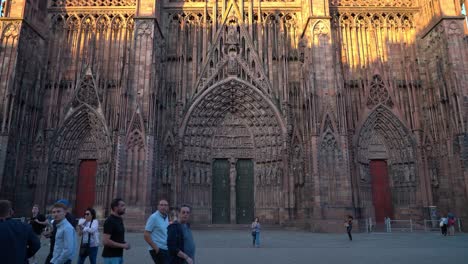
(349, 226)
(256, 232)
(88, 229)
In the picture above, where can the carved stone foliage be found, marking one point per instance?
(94, 3)
(378, 93)
(233, 120)
(383, 136)
(374, 3)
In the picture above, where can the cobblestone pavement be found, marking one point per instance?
(280, 247)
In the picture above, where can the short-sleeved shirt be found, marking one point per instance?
(114, 227)
(189, 243)
(157, 224)
(36, 227)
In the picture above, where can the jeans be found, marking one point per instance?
(92, 256)
(256, 239)
(114, 260)
(49, 257)
(348, 230)
(162, 257)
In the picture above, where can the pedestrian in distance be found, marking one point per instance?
(113, 237)
(180, 239)
(451, 224)
(255, 228)
(38, 223)
(349, 226)
(65, 237)
(156, 233)
(18, 242)
(443, 225)
(88, 228)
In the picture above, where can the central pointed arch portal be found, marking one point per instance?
(233, 155)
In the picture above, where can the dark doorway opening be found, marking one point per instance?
(221, 192)
(381, 193)
(244, 191)
(86, 189)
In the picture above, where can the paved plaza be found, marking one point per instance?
(281, 247)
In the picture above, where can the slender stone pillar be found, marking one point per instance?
(232, 183)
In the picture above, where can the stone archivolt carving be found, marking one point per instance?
(96, 3)
(233, 121)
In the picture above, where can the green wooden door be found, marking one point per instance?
(220, 193)
(244, 191)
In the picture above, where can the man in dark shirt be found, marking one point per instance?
(17, 240)
(180, 243)
(38, 221)
(70, 218)
(113, 238)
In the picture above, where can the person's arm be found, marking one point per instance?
(106, 241)
(93, 229)
(147, 236)
(33, 243)
(185, 256)
(149, 227)
(41, 220)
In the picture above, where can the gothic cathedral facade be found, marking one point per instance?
(296, 111)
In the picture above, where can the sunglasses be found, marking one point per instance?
(87, 214)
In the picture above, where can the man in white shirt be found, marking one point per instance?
(156, 233)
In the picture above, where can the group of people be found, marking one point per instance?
(447, 224)
(169, 241)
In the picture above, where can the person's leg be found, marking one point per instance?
(81, 259)
(257, 239)
(49, 257)
(154, 256)
(348, 230)
(253, 239)
(164, 256)
(115, 260)
(93, 254)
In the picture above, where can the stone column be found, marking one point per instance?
(232, 184)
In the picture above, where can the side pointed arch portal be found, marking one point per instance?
(80, 152)
(386, 154)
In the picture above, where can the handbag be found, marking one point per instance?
(254, 233)
(84, 247)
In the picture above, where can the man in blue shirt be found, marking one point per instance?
(156, 233)
(17, 240)
(65, 238)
